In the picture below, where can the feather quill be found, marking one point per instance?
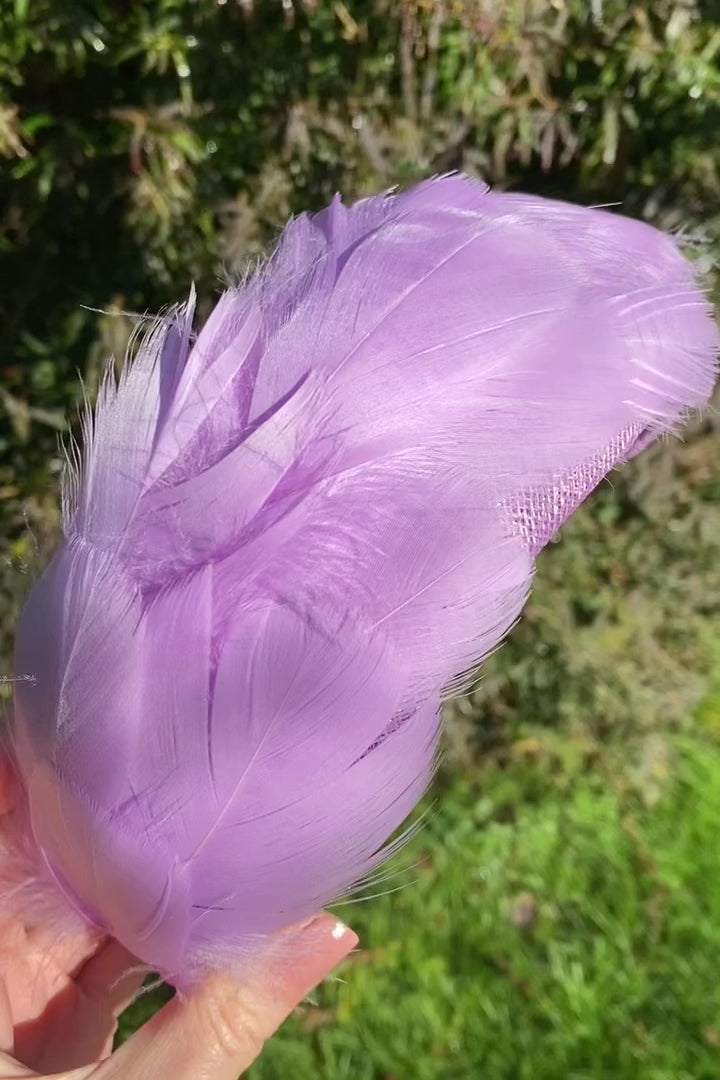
(294, 534)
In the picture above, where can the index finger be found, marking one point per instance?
(218, 1030)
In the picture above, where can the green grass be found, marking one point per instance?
(556, 925)
(550, 933)
(612, 971)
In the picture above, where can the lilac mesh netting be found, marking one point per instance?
(538, 513)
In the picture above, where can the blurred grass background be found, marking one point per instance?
(561, 915)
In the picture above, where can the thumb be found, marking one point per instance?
(220, 1028)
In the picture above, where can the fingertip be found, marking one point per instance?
(220, 1026)
(311, 953)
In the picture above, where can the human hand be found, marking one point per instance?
(59, 1002)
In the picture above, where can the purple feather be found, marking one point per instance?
(295, 534)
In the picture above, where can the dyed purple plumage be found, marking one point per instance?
(295, 534)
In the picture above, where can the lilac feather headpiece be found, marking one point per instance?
(294, 534)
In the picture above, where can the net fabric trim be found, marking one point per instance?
(536, 514)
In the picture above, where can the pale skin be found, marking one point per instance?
(59, 1003)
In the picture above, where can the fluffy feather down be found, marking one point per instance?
(294, 534)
